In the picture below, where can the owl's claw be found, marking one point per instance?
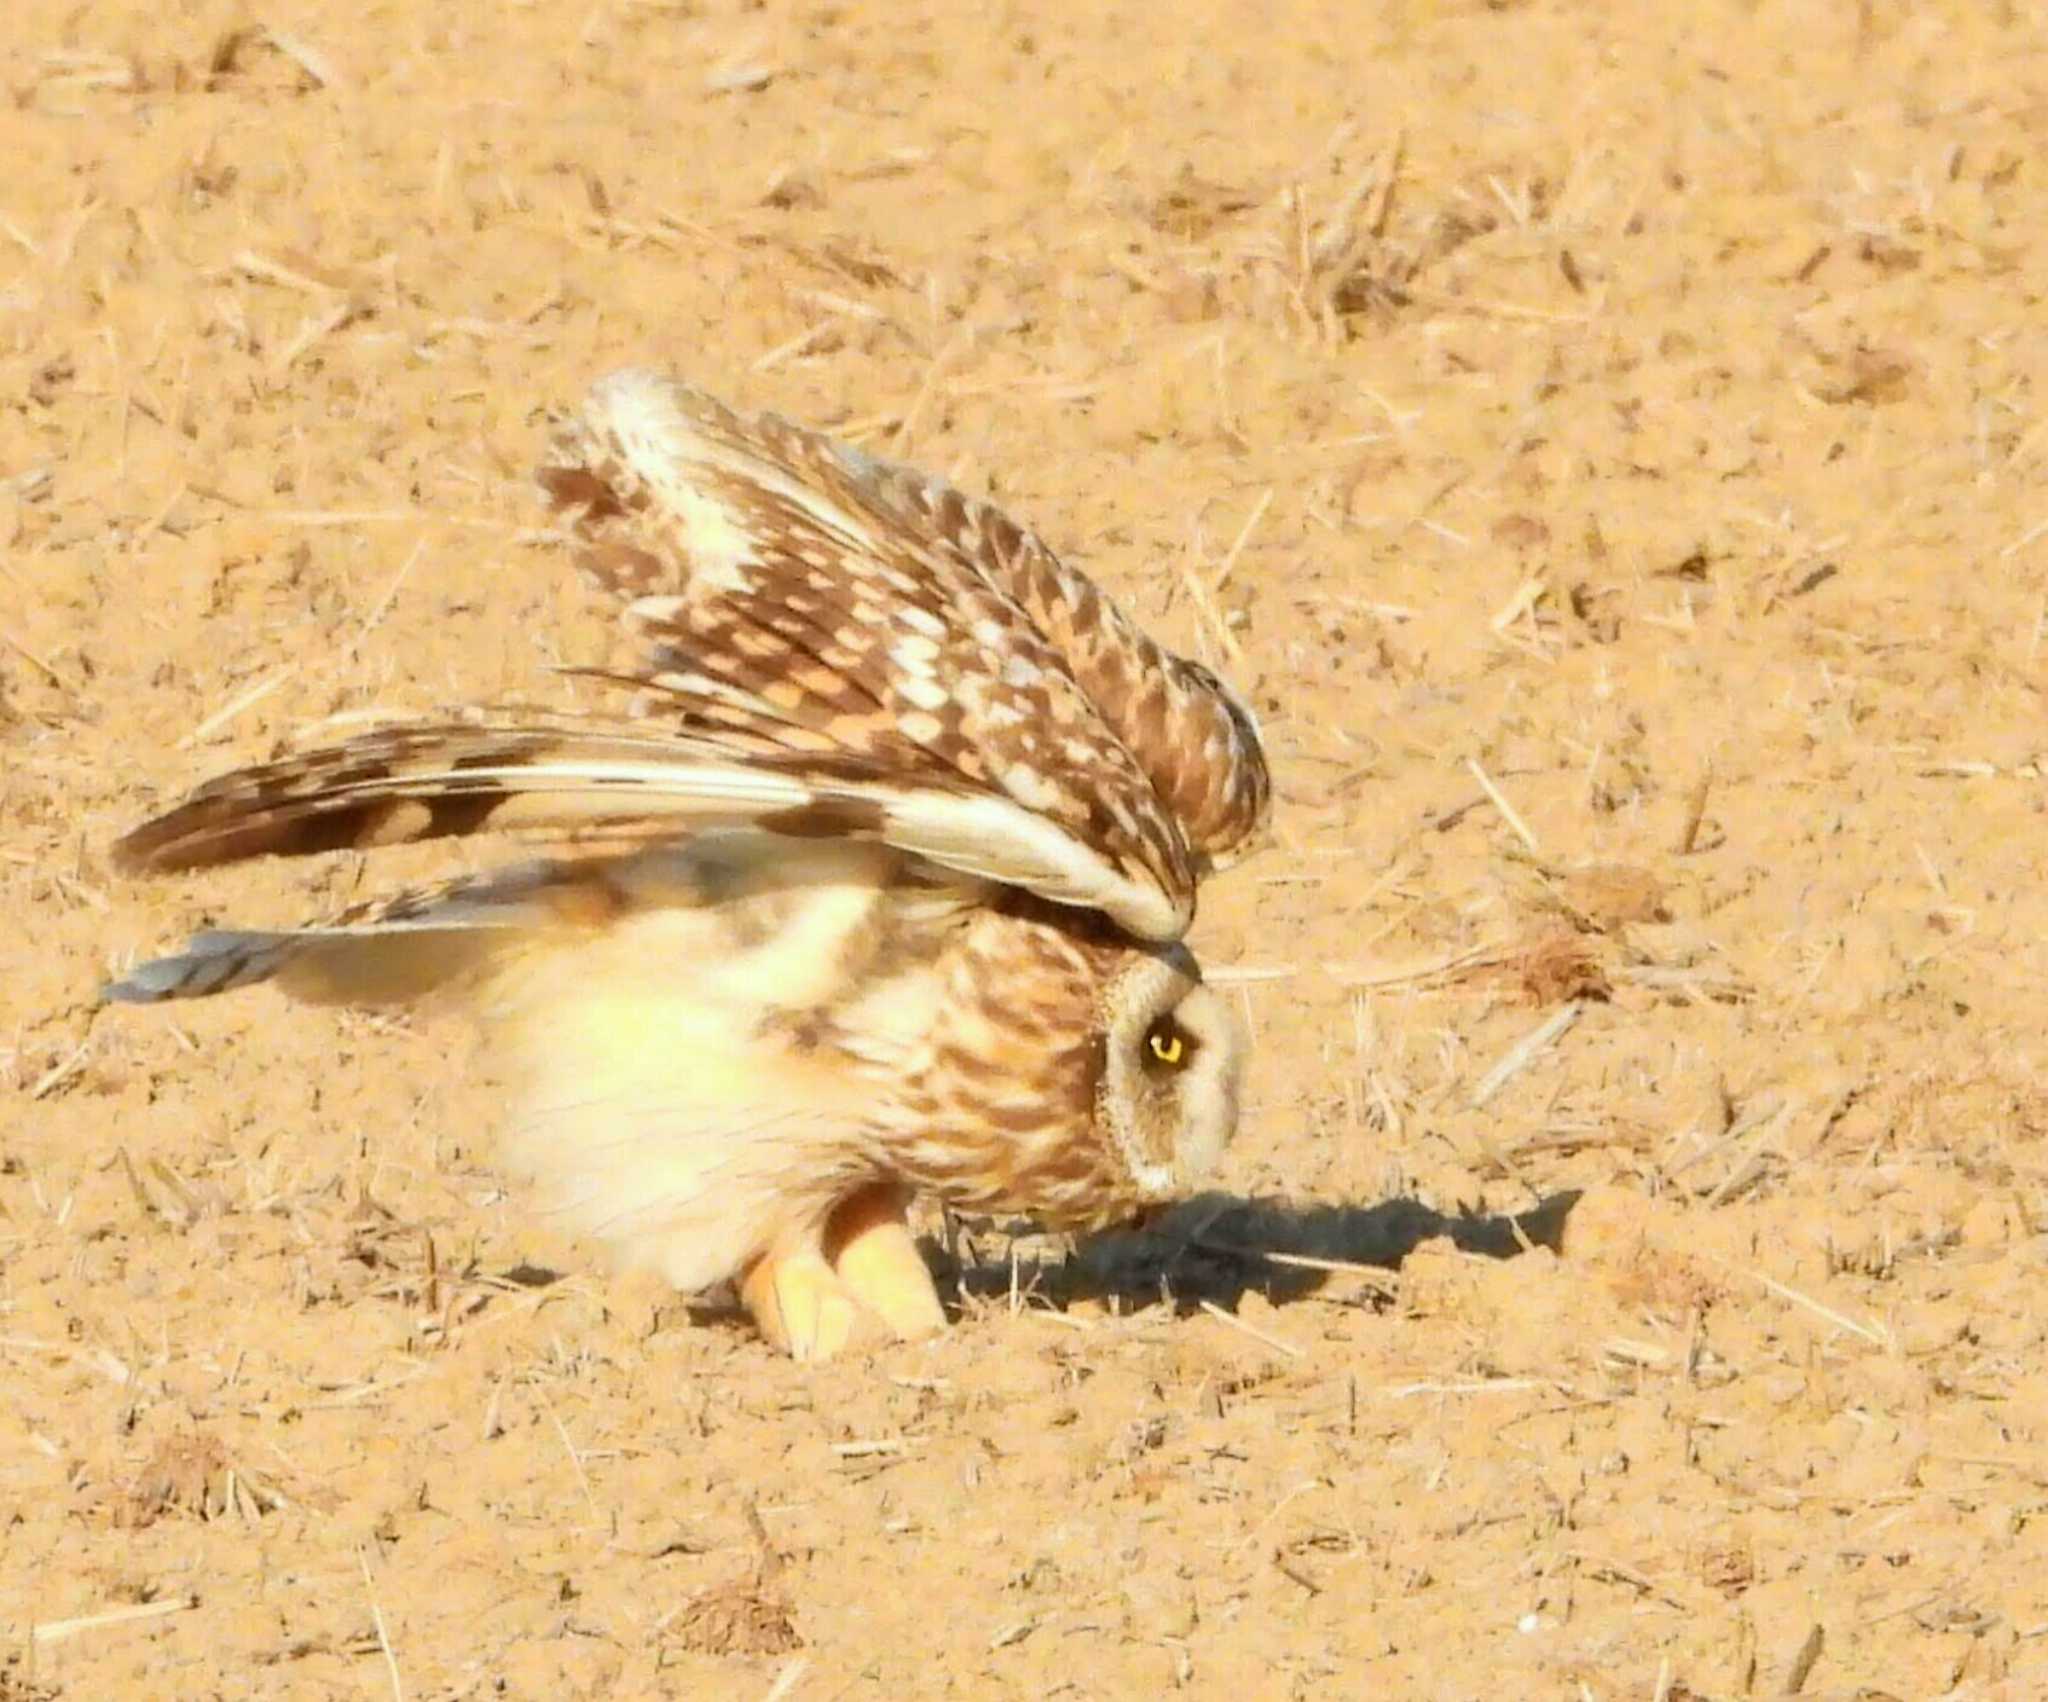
(813, 1299)
(799, 1303)
(870, 1245)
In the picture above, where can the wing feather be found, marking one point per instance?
(622, 782)
(757, 559)
(649, 458)
(833, 646)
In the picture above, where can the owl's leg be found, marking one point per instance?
(797, 1300)
(813, 1290)
(869, 1243)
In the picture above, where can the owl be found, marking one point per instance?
(866, 879)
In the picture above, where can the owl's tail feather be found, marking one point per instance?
(316, 965)
(388, 952)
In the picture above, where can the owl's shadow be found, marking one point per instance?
(1219, 1247)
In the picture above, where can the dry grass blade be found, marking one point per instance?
(1518, 1056)
(1244, 536)
(310, 59)
(1248, 974)
(62, 1630)
(1876, 1336)
(1359, 975)
(1800, 1667)
(1258, 1335)
(788, 1679)
(383, 1633)
(41, 666)
(1492, 1386)
(1508, 812)
(61, 1072)
(240, 704)
(1386, 1281)
(1695, 812)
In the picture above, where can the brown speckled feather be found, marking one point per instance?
(833, 646)
(782, 574)
(1006, 1073)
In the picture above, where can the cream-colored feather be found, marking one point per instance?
(663, 1094)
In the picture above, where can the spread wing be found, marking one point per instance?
(619, 780)
(762, 552)
(833, 646)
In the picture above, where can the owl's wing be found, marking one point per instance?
(771, 571)
(696, 509)
(619, 780)
(834, 647)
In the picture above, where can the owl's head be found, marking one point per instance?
(1172, 1067)
(1070, 1073)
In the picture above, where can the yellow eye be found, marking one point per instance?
(1166, 1045)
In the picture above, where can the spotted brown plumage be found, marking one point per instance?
(868, 881)
(887, 611)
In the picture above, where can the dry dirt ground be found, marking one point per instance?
(1612, 455)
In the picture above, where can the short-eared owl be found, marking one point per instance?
(872, 883)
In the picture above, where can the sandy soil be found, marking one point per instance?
(1613, 456)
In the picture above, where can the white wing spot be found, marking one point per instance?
(923, 691)
(914, 653)
(1029, 787)
(655, 611)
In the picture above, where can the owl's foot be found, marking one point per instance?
(799, 1303)
(869, 1242)
(813, 1295)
